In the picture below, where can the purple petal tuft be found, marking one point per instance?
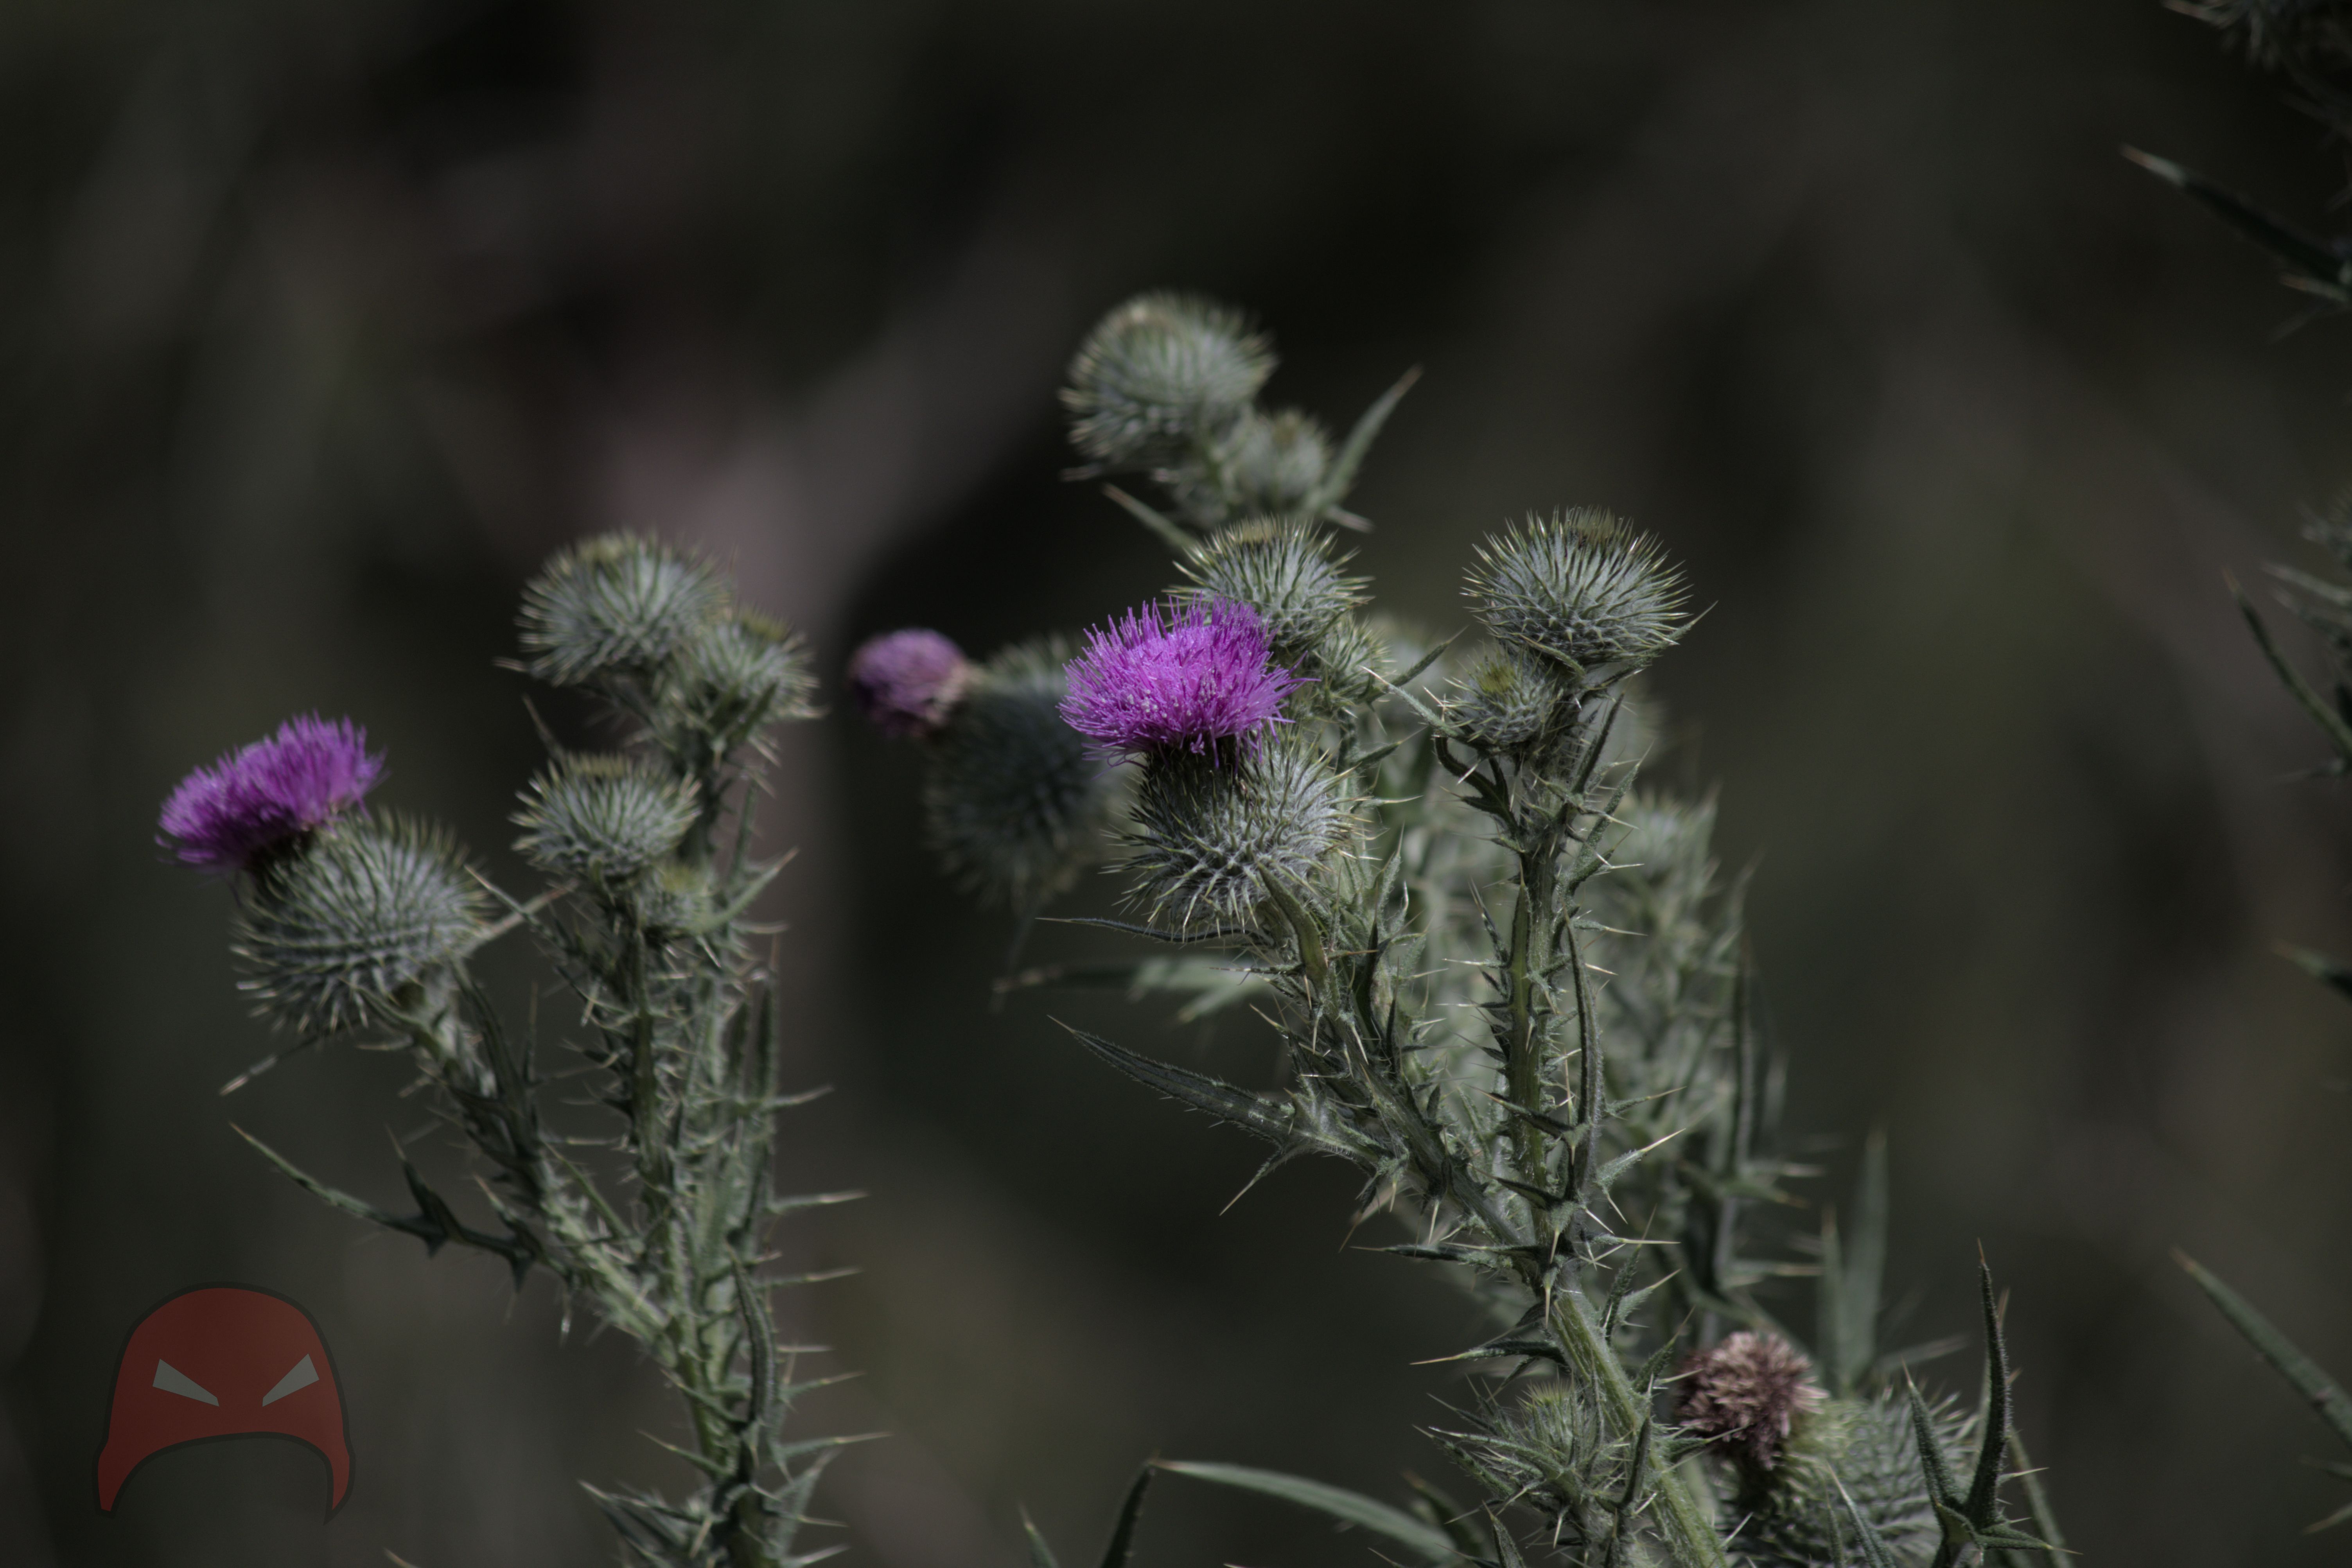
(1172, 677)
(253, 800)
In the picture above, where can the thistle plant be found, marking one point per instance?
(1506, 980)
(656, 1217)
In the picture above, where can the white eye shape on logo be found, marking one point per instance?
(301, 1375)
(172, 1380)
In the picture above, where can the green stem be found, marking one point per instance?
(1531, 919)
(1689, 1533)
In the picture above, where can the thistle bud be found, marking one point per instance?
(360, 914)
(731, 677)
(1511, 701)
(1282, 569)
(1014, 798)
(1580, 587)
(1861, 1451)
(1160, 372)
(604, 819)
(615, 606)
(1209, 840)
(906, 683)
(1264, 463)
(1748, 1391)
(678, 900)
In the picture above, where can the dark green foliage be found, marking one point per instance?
(1013, 800)
(605, 820)
(615, 607)
(1211, 839)
(332, 935)
(1160, 371)
(1581, 587)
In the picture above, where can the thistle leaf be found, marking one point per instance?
(1429, 1543)
(1041, 1555)
(1121, 1545)
(2316, 1387)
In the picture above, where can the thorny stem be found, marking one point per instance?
(1690, 1534)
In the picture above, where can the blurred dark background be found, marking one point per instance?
(320, 325)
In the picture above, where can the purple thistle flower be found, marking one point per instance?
(253, 800)
(905, 683)
(1177, 677)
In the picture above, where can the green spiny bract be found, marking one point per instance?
(1283, 568)
(1556, 1452)
(726, 680)
(605, 820)
(1581, 587)
(1263, 463)
(1015, 801)
(1512, 702)
(1213, 838)
(1792, 1517)
(367, 910)
(616, 606)
(1160, 372)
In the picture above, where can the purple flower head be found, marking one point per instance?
(1177, 677)
(253, 800)
(905, 683)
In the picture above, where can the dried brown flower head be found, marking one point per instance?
(1750, 1391)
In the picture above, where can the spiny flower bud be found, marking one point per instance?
(1188, 677)
(1750, 1391)
(605, 820)
(1581, 587)
(1858, 1452)
(617, 605)
(677, 900)
(1282, 568)
(1341, 662)
(730, 678)
(363, 911)
(1509, 701)
(1209, 840)
(258, 802)
(1158, 372)
(1270, 463)
(906, 683)
(1014, 799)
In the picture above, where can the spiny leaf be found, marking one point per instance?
(1041, 1555)
(1337, 1502)
(1983, 1506)
(2315, 265)
(2316, 1387)
(1122, 1531)
(2332, 723)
